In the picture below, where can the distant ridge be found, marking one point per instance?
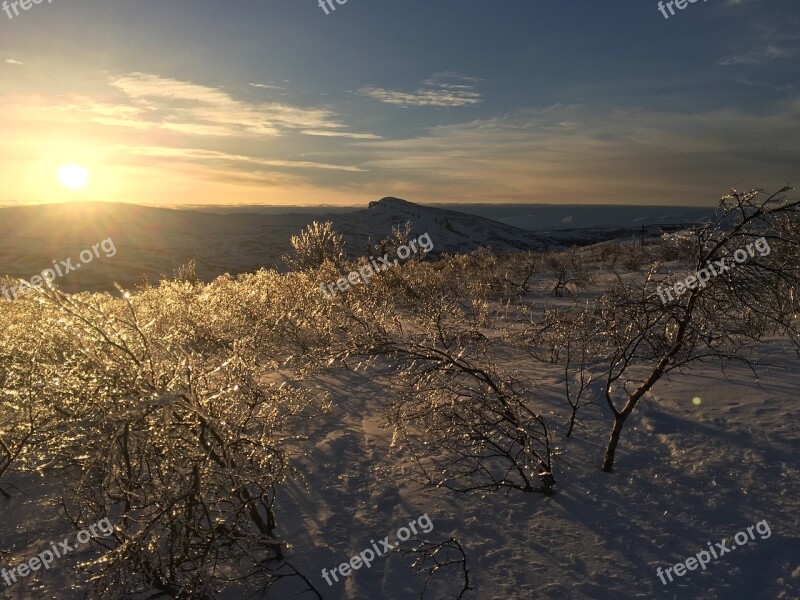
(456, 232)
(152, 242)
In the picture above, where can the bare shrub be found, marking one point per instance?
(167, 425)
(449, 388)
(27, 363)
(435, 558)
(315, 245)
(569, 270)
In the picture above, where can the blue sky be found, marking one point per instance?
(513, 101)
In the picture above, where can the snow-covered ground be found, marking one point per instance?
(687, 473)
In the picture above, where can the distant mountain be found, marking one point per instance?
(451, 231)
(151, 242)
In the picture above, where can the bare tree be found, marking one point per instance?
(641, 338)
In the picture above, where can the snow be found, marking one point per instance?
(685, 475)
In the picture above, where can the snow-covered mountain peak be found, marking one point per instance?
(451, 231)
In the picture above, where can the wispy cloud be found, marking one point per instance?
(755, 57)
(11, 61)
(771, 37)
(341, 134)
(160, 103)
(203, 110)
(198, 154)
(589, 154)
(446, 89)
(266, 86)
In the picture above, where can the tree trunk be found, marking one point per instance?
(611, 449)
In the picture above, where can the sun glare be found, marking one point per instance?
(73, 177)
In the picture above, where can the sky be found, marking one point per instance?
(275, 102)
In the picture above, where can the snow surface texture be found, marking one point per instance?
(686, 474)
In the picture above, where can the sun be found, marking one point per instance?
(73, 177)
